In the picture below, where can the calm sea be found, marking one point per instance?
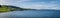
(31, 14)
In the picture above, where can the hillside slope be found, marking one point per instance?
(7, 8)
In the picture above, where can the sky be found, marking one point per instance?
(33, 4)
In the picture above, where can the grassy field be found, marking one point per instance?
(5, 9)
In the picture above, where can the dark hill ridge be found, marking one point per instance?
(47, 9)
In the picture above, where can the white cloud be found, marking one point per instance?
(43, 5)
(19, 1)
(10, 2)
(37, 6)
(3, 2)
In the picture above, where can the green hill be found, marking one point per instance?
(7, 8)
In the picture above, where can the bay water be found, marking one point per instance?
(31, 14)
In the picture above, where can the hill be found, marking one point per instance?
(7, 8)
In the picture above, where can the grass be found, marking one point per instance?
(5, 9)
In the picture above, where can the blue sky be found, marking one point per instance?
(34, 4)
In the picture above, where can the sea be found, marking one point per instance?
(31, 14)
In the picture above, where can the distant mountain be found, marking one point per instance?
(48, 10)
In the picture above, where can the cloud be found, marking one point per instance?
(33, 5)
(3, 2)
(10, 2)
(42, 6)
